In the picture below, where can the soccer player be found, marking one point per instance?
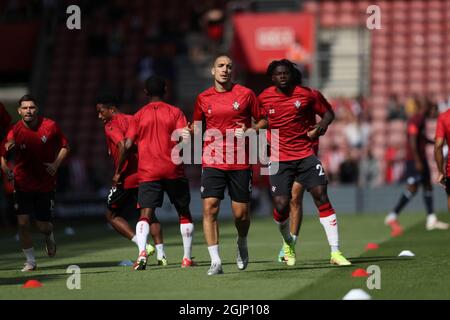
(225, 106)
(123, 193)
(40, 147)
(291, 109)
(417, 173)
(443, 136)
(151, 129)
(296, 202)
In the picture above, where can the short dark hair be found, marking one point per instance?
(156, 86)
(295, 72)
(108, 100)
(27, 97)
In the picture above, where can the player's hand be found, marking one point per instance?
(313, 134)
(10, 145)
(318, 130)
(117, 179)
(52, 168)
(187, 132)
(441, 179)
(239, 132)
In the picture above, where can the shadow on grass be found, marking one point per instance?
(40, 277)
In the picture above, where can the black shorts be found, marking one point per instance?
(119, 200)
(414, 177)
(238, 182)
(37, 204)
(447, 185)
(151, 194)
(308, 172)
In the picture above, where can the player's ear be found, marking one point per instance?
(213, 71)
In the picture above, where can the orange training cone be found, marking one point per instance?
(360, 273)
(32, 284)
(372, 246)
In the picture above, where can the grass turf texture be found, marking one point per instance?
(97, 251)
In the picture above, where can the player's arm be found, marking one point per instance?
(197, 117)
(6, 170)
(322, 108)
(121, 163)
(63, 152)
(439, 150)
(131, 135)
(258, 114)
(53, 167)
(439, 158)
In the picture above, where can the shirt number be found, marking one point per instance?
(320, 168)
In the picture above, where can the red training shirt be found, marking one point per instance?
(443, 131)
(221, 111)
(416, 130)
(33, 148)
(115, 132)
(293, 116)
(151, 129)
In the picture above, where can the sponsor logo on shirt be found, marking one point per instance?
(236, 106)
(271, 111)
(297, 104)
(44, 139)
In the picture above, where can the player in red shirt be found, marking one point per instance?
(225, 106)
(443, 136)
(291, 110)
(40, 147)
(151, 129)
(296, 201)
(123, 194)
(417, 173)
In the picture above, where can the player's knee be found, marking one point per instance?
(319, 195)
(184, 216)
(282, 205)
(23, 225)
(44, 227)
(109, 215)
(210, 208)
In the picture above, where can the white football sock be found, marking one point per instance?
(431, 218)
(214, 254)
(142, 230)
(294, 238)
(29, 254)
(160, 251)
(331, 229)
(187, 231)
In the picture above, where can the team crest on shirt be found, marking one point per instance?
(44, 139)
(209, 109)
(297, 104)
(236, 106)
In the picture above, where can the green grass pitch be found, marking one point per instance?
(97, 251)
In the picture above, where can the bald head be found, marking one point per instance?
(223, 66)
